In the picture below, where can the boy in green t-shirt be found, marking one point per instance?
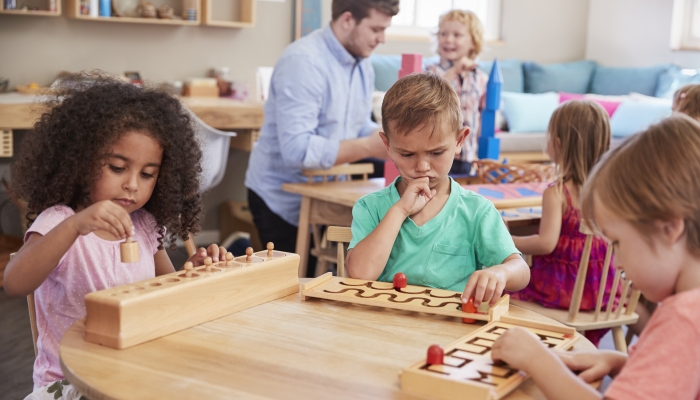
(424, 224)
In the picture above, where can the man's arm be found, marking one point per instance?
(364, 147)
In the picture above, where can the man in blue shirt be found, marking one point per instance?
(318, 113)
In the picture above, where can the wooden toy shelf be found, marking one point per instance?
(217, 13)
(37, 3)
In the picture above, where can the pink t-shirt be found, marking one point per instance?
(89, 265)
(665, 362)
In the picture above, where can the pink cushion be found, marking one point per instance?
(609, 106)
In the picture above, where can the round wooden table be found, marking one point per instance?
(284, 349)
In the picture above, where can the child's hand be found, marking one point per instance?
(518, 348)
(104, 216)
(216, 252)
(593, 365)
(416, 196)
(464, 64)
(485, 285)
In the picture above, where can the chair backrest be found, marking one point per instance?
(495, 172)
(214, 145)
(342, 235)
(631, 297)
(263, 76)
(345, 170)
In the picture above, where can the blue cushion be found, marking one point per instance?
(673, 79)
(512, 71)
(621, 81)
(386, 70)
(635, 116)
(571, 77)
(529, 112)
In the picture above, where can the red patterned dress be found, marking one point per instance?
(552, 276)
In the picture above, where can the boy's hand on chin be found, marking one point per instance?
(417, 194)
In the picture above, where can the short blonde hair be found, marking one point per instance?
(473, 24)
(654, 175)
(417, 100)
(582, 128)
(687, 100)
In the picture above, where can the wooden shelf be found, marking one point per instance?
(74, 12)
(241, 13)
(40, 13)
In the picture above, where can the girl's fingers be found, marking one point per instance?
(213, 252)
(488, 291)
(479, 293)
(222, 253)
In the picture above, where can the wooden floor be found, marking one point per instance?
(16, 348)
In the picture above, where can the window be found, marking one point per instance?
(685, 25)
(419, 18)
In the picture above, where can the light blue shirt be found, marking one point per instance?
(319, 95)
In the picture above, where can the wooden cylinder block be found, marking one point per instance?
(129, 251)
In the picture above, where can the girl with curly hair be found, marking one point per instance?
(106, 161)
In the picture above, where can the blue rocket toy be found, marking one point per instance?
(489, 146)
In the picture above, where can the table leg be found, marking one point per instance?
(303, 236)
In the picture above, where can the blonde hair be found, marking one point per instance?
(473, 24)
(417, 100)
(654, 175)
(581, 129)
(687, 100)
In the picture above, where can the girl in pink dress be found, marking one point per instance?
(578, 135)
(107, 161)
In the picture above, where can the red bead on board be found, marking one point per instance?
(400, 280)
(468, 307)
(436, 356)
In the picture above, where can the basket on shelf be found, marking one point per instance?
(495, 172)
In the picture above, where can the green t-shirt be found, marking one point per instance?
(467, 233)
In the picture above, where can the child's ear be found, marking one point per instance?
(461, 137)
(671, 230)
(385, 140)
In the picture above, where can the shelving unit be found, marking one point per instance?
(241, 13)
(74, 12)
(44, 4)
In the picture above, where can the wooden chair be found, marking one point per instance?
(490, 171)
(324, 253)
(612, 317)
(32, 316)
(342, 236)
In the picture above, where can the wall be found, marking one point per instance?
(634, 33)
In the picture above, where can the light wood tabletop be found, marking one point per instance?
(331, 203)
(284, 349)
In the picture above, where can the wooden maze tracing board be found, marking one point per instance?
(128, 315)
(411, 298)
(468, 371)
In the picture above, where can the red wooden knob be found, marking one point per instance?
(400, 280)
(436, 356)
(468, 307)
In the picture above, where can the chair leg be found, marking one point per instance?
(619, 339)
(629, 336)
(321, 267)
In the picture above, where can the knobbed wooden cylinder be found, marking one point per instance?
(129, 251)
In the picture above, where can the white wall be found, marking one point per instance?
(634, 33)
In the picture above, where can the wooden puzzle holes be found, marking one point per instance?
(183, 275)
(152, 284)
(170, 280)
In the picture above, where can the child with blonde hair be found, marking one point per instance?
(460, 40)
(578, 135)
(424, 224)
(686, 100)
(107, 161)
(643, 197)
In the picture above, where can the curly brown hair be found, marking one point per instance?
(62, 157)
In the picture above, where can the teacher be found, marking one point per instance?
(318, 113)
